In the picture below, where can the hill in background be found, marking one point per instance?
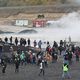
(4, 3)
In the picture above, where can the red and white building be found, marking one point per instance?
(39, 23)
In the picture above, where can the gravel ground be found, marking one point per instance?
(30, 72)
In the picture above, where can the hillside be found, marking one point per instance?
(29, 9)
(4, 3)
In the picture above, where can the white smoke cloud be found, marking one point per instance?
(68, 25)
(75, 1)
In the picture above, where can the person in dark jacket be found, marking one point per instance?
(17, 62)
(35, 43)
(77, 53)
(4, 65)
(29, 42)
(11, 39)
(39, 44)
(16, 41)
(6, 40)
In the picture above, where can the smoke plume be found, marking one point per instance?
(75, 1)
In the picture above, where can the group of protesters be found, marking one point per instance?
(22, 41)
(41, 58)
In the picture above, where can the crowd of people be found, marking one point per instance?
(43, 57)
(21, 41)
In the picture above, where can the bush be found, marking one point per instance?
(41, 16)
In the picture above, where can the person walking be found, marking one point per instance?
(42, 65)
(65, 71)
(4, 65)
(17, 62)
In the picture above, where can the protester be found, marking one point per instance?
(22, 57)
(42, 56)
(6, 40)
(39, 44)
(29, 42)
(4, 65)
(66, 73)
(35, 43)
(42, 66)
(11, 40)
(16, 41)
(17, 62)
(77, 53)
